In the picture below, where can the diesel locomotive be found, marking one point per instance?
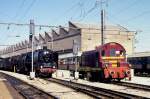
(45, 62)
(105, 63)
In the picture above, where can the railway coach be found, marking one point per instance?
(140, 62)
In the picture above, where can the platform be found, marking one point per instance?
(7, 91)
(54, 89)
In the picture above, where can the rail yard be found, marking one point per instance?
(74, 49)
(63, 88)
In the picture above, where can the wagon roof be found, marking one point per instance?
(140, 54)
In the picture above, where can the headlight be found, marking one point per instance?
(106, 64)
(41, 67)
(54, 67)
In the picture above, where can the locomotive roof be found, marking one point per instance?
(110, 44)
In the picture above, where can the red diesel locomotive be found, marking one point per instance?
(106, 62)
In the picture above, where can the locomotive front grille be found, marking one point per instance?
(112, 60)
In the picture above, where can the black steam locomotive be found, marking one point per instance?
(45, 62)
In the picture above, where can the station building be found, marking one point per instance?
(87, 37)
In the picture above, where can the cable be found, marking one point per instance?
(67, 11)
(20, 7)
(90, 10)
(28, 9)
(130, 6)
(53, 26)
(137, 16)
(121, 11)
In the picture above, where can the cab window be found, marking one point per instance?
(112, 52)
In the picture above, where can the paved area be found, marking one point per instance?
(7, 91)
(60, 91)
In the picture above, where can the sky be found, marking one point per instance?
(132, 14)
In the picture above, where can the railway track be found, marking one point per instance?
(26, 90)
(95, 92)
(133, 85)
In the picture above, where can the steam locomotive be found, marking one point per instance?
(45, 62)
(105, 63)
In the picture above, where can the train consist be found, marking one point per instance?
(45, 62)
(140, 62)
(106, 62)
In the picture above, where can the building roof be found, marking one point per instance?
(98, 26)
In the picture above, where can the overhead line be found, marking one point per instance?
(67, 11)
(126, 8)
(20, 7)
(90, 10)
(139, 15)
(28, 9)
(53, 26)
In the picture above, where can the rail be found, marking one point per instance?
(95, 92)
(133, 85)
(26, 90)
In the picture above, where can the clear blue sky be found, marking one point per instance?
(132, 14)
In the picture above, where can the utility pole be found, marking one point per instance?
(103, 20)
(102, 27)
(75, 53)
(32, 30)
(52, 46)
